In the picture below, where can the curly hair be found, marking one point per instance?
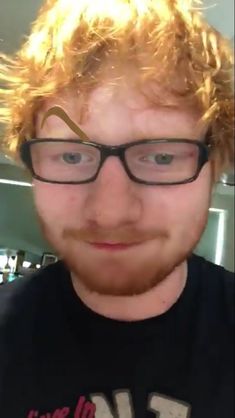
(168, 42)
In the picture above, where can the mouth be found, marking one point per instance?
(113, 246)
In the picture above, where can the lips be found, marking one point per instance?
(112, 246)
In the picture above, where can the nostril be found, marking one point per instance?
(112, 209)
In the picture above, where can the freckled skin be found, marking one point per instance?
(113, 202)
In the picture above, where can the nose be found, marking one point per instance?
(113, 200)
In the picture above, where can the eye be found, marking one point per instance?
(72, 158)
(163, 158)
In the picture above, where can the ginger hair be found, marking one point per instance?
(167, 41)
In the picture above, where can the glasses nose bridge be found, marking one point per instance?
(112, 151)
(107, 151)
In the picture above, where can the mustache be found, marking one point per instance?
(126, 236)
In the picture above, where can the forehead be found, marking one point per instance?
(119, 115)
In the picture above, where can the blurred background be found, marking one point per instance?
(22, 247)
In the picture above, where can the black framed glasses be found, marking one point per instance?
(150, 162)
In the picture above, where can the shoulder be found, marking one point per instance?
(213, 328)
(216, 288)
(23, 304)
(20, 298)
(212, 274)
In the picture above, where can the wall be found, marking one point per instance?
(227, 202)
(220, 14)
(19, 227)
(212, 239)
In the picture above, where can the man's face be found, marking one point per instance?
(163, 223)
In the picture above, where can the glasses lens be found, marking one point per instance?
(64, 161)
(163, 162)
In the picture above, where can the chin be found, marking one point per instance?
(124, 276)
(131, 272)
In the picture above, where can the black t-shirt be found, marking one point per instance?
(60, 359)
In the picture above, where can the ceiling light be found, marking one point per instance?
(15, 183)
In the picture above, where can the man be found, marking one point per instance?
(122, 111)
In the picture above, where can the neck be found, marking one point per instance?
(135, 308)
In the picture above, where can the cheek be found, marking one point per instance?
(193, 199)
(181, 206)
(63, 202)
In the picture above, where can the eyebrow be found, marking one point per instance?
(60, 113)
